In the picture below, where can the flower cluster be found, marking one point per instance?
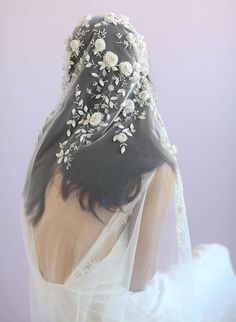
(122, 97)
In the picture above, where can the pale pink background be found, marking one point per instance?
(192, 50)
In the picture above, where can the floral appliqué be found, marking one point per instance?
(126, 77)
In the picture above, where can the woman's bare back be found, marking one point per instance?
(69, 229)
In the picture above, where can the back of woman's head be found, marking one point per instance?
(103, 137)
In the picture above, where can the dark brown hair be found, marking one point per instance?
(100, 171)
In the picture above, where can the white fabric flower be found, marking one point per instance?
(110, 17)
(75, 44)
(131, 38)
(144, 69)
(136, 76)
(128, 106)
(85, 21)
(124, 20)
(110, 59)
(126, 68)
(122, 137)
(67, 40)
(143, 95)
(67, 62)
(137, 67)
(96, 118)
(111, 88)
(141, 43)
(100, 45)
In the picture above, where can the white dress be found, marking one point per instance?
(214, 279)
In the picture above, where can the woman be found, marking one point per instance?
(103, 212)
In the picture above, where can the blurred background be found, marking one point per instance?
(192, 50)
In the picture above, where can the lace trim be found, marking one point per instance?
(87, 265)
(182, 231)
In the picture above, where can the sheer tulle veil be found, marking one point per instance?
(108, 101)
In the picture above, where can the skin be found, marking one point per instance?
(74, 223)
(73, 241)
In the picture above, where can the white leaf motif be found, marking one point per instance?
(122, 91)
(128, 132)
(77, 93)
(60, 154)
(72, 122)
(122, 150)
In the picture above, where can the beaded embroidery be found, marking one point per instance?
(110, 100)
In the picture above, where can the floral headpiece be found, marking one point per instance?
(106, 65)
